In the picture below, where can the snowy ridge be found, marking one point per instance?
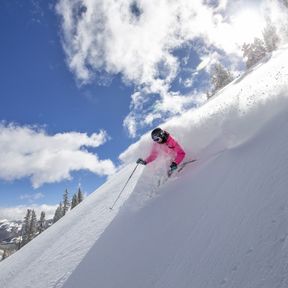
(223, 223)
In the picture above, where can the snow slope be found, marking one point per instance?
(48, 260)
(221, 223)
(224, 223)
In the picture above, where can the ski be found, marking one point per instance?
(181, 167)
(164, 179)
(184, 164)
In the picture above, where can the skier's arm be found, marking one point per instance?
(180, 153)
(153, 154)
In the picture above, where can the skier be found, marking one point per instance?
(163, 141)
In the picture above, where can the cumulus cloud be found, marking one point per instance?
(30, 152)
(18, 212)
(138, 38)
(108, 35)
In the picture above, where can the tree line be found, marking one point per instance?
(66, 204)
(32, 227)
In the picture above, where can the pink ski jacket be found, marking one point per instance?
(171, 147)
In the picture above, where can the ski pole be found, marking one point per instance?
(123, 187)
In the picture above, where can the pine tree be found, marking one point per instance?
(42, 223)
(77, 198)
(271, 39)
(220, 77)
(254, 52)
(26, 228)
(33, 226)
(29, 229)
(74, 202)
(66, 202)
(58, 213)
(61, 209)
(80, 196)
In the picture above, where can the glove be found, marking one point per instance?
(141, 161)
(173, 167)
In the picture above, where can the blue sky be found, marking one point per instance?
(77, 90)
(37, 88)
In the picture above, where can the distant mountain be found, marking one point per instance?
(9, 230)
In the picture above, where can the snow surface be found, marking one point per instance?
(222, 222)
(50, 258)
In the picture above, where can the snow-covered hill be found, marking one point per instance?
(222, 223)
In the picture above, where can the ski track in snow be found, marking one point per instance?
(221, 223)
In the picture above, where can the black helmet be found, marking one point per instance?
(159, 135)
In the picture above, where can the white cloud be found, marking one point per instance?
(130, 124)
(30, 152)
(18, 212)
(32, 196)
(207, 61)
(105, 35)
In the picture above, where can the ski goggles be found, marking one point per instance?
(157, 139)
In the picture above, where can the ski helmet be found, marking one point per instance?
(159, 135)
